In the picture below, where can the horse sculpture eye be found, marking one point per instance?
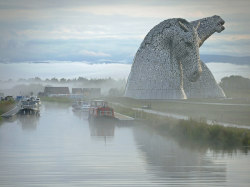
(188, 44)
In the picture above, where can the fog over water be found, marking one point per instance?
(114, 70)
(62, 148)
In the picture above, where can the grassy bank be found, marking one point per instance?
(5, 106)
(213, 136)
(56, 99)
(196, 132)
(224, 110)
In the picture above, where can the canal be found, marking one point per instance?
(61, 148)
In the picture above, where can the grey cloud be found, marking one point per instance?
(34, 30)
(68, 50)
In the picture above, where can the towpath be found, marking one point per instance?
(179, 116)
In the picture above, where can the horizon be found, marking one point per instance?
(35, 36)
(69, 70)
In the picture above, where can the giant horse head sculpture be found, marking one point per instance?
(168, 54)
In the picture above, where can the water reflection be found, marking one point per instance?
(174, 164)
(61, 150)
(10, 119)
(102, 128)
(99, 128)
(54, 105)
(28, 122)
(81, 114)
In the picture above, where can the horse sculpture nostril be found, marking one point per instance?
(195, 76)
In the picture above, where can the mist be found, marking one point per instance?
(60, 70)
(33, 86)
(26, 77)
(70, 70)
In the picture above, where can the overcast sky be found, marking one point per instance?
(109, 31)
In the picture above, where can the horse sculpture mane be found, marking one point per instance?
(167, 64)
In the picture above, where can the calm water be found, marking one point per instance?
(60, 148)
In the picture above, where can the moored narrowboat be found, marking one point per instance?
(99, 109)
(81, 106)
(29, 106)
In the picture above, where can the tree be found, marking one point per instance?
(37, 79)
(63, 80)
(54, 80)
(235, 82)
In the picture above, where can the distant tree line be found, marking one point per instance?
(26, 86)
(64, 80)
(82, 80)
(235, 83)
(236, 87)
(232, 82)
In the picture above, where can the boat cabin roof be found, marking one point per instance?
(98, 103)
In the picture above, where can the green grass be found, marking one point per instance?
(5, 106)
(193, 108)
(192, 131)
(213, 136)
(57, 99)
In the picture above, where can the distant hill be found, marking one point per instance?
(245, 60)
(128, 59)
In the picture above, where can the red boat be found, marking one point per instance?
(100, 109)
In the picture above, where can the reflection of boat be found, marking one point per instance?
(81, 105)
(99, 109)
(102, 128)
(28, 122)
(80, 114)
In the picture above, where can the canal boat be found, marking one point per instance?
(99, 109)
(29, 106)
(38, 101)
(81, 106)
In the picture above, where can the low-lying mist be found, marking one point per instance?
(35, 85)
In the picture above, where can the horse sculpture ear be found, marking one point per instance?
(184, 27)
(197, 26)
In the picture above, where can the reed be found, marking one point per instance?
(215, 136)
